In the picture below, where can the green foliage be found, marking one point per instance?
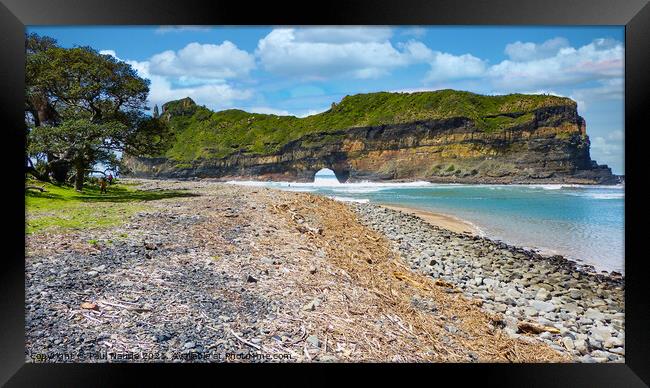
(451, 168)
(79, 81)
(147, 137)
(493, 124)
(62, 208)
(80, 140)
(82, 106)
(183, 107)
(84, 143)
(203, 134)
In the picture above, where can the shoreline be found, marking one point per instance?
(458, 225)
(583, 311)
(441, 220)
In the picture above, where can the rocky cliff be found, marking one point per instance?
(442, 136)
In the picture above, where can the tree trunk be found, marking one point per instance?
(59, 169)
(44, 111)
(79, 178)
(60, 173)
(34, 172)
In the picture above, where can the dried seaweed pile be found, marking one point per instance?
(392, 313)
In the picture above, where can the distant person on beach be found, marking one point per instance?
(102, 186)
(110, 179)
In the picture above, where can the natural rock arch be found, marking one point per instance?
(342, 172)
(342, 175)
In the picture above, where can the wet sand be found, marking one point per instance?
(440, 220)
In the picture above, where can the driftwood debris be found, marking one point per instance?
(534, 328)
(89, 306)
(252, 345)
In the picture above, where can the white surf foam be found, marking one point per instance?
(348, 199)
(330, 183)
(599, 195)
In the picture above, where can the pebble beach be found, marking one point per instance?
(583, 310)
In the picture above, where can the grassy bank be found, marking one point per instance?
(61, 208)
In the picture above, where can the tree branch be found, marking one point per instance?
(39, 188)
(101, 172)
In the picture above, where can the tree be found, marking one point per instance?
(82, 142)
(85, 143)
(37, 102)
(72, 90)
(155, 112)
(38, 109)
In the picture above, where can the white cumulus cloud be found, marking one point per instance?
(217, 95)
(319, 53)
(610, 145)
(527, 51)
(108, 52)
(342, 34)
(358, 52)
(553, 63)
(204, 61)
(608, 89)
(417, 32)
(283, 112)
(268, 111)
(445, 66)
(168, 29)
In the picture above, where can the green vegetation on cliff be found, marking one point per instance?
(203, 134)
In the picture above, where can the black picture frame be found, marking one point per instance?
(16, 14)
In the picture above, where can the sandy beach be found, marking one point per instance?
(445, 221)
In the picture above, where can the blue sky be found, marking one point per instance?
(302, 70)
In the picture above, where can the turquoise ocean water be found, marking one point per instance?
(583, 223)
